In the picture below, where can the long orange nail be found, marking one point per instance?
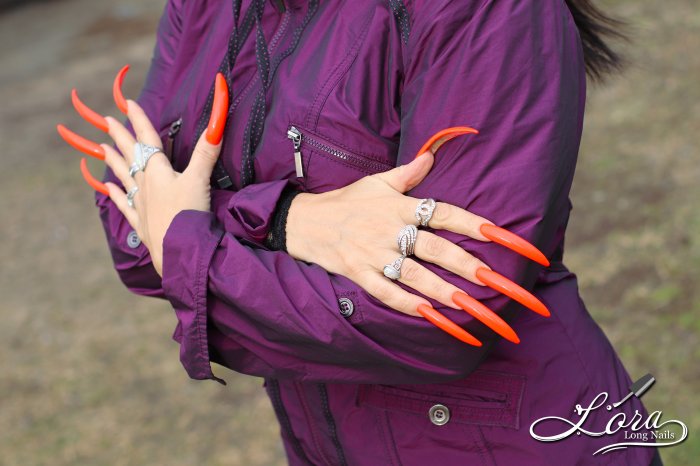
(91, 180)
(83, 145)
(512, 241)
(117, 90)
(485, 316)
(447, 325)
(219, 111)
(442, 136)
(500, 283)
(89, 114)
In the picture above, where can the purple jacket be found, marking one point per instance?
(366, 83)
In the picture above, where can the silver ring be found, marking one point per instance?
(133, 169)
(393, 270)
(143, 153)
(407, 239)
(424, 211)
(130, 196)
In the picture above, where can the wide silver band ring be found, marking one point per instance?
(424, 211)
(393, 270)
(407, 239)
(142, 154)
(130, 196)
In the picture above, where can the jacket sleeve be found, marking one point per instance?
(244, 218)
(515, 71)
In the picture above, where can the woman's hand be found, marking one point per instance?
(352, 231)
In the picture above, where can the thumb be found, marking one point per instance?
(405, 177)
(207, 150)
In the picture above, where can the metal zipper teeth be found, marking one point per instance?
(276, 398)
(372, 165)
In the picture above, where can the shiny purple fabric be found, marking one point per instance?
(357, 389)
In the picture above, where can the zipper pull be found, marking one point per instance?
(295, 135)
(172, 132)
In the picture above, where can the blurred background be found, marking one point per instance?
(88, 372)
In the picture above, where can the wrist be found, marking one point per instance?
(276, 238)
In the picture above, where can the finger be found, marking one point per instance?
(91, 180)
(514, 291)
(85, 146)
(117, 90)
(119, 198)
(118, 165)
(405, 177)
(144, 130)
(88, 114)
(446, 254)
(449, 217)
(123, 138)
(389, 293)
(207, 150)
(427, 282)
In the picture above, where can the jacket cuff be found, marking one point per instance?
(277, 235)
(188, 247)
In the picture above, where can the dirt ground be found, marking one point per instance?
(89, 374)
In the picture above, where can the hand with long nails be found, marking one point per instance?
(369, 241)
(162, 192)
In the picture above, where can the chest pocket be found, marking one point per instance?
(323, 164)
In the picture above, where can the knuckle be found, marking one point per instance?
(442, 212)
(467, 262)
(410, 271)
(434, 245)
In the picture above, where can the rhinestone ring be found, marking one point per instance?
(407, 239)
(142, 154)
(393, 270)
(424, 211)
(130, 196)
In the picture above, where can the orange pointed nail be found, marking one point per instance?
(447, 325)
(219, 111)
(89, 114)
(500, 283)
(91, 180)
(442, 136)
(485, 316)
(117, 90)
(78, 142)
(512, 241)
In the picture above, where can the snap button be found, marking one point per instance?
(439, 414)
(346, 307)
(133, 240)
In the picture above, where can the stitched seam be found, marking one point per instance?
(311, 423)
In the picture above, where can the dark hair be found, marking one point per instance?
(595, 27)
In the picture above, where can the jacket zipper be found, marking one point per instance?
(297, 138)
(170, 141)
(331, 425)
(274, 390)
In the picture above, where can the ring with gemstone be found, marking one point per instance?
(424, 211)
(393, 270)
(133, 169)
(143, 153)
(407, 239)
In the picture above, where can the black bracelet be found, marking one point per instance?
(277, 235)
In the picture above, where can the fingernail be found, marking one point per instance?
(88, 114)
(91, 180)
(442, 136)
(485, 316)
(219, 111)
(500, 283)
(78, 142)
(514, 242)
(445, 324)
(117, 90)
